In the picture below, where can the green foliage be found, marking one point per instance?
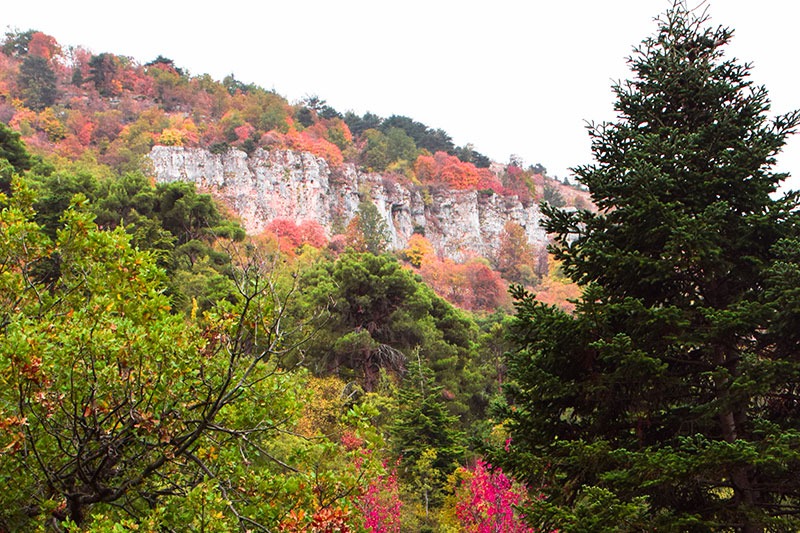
(468, 154)
(371, 228)
(119, 414)
(359, 125)
(37, 82)
(16, 42)
(669, 397)
(553, 196)
(103, 70)
(14, 158)
(423, 137)
(425, 436)
(381, 314)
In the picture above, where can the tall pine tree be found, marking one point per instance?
(670, 400)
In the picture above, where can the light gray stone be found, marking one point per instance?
(300, 186)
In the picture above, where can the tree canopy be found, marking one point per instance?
(669, 400)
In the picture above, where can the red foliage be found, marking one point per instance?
(330, 520)
(471, 285)
(312, 233)
(244, 132)
(324, 520)
(488, 288)
(291, 236)
(515, 182)
(84, 129)
(70, 147)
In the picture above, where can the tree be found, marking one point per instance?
(14, 158)
(515, 255)
(114, 408)
(669, 400)
(103, 71)
(422, 136)
(424, 435)
(368, 231)
(16, 42)
(37, 82)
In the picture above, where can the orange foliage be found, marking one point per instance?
(516, 259)
(558, 292)
(9, 69)
(353, 236)
(311, 141)
(472, 285)
(23, 119)
(338, 133)
(450, 170)
(51, 125)
(44, 46)
(81, 126)
(70, 147)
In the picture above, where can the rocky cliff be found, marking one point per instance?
(299, 186)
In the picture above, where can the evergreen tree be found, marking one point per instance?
(14, 158)
(424, 435)
(670, 400)
(37, 82)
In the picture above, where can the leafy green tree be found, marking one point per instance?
(368, 231)
(400, 147)
(381, 314)
(552, 195)
(115, 410)
(16, 42)
(468, 154)
(669, 400)
(376, 153)
(423, 136)
(358, 125)
(103, 71)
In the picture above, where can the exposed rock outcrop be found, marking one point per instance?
(300, 186)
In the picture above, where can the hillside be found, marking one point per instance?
(108, 114)
(223, 311)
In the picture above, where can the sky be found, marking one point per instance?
(521, 77)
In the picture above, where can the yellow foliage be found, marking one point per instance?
(418, 250)
(171, 137)
(49, 123)
(324, 406)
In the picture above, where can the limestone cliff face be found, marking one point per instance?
(300, 186)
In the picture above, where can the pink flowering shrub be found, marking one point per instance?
(381, 504)
(486, 501)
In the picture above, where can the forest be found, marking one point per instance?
(162, 370)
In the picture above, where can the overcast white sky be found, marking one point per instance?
(509, 76)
